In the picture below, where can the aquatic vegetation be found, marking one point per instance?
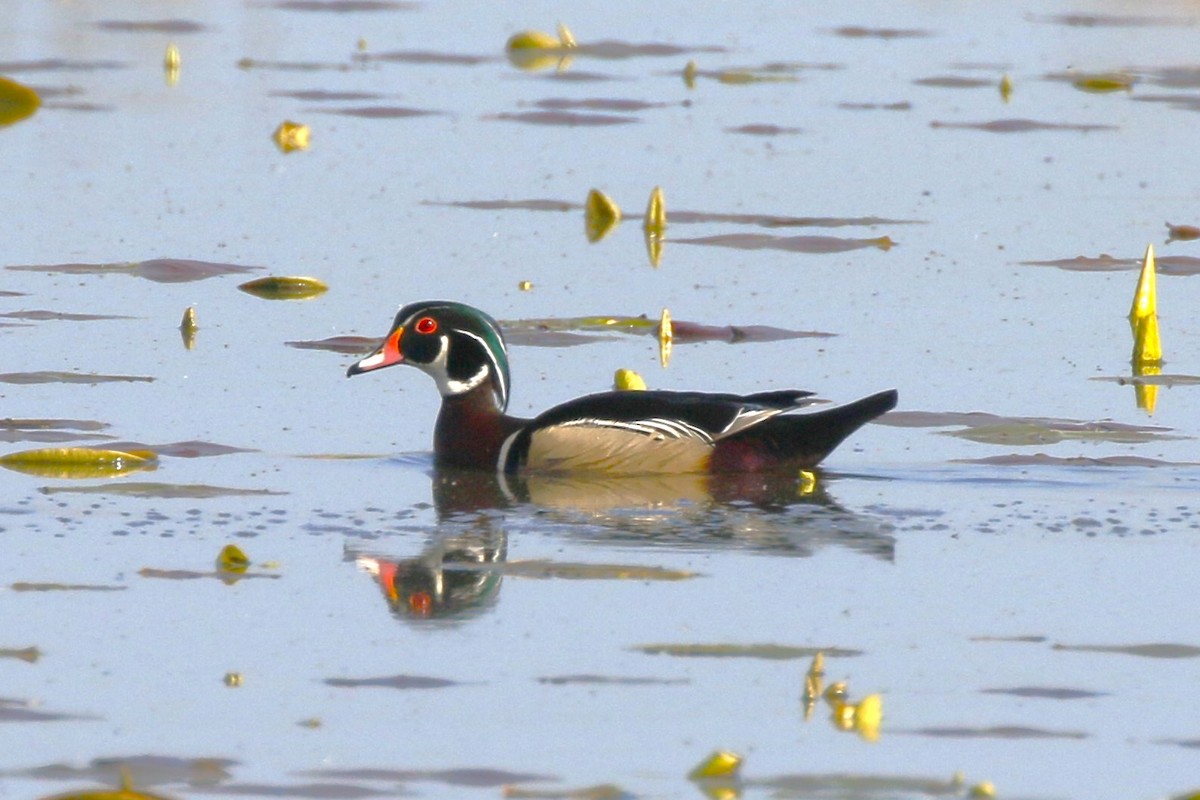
(291, 136)
(188, 328)
(656, 213)
(1104, 83)
(600, 215)
(284, 288)
(79, 462)
(721, 764)
(17, 101)
(626, 380)
(233, 559)
(666, 338)
(171, 65)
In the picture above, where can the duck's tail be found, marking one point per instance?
(798, 441)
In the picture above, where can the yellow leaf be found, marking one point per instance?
(1100, 84)
(1145, 297)
(188, 328)
(600, 215)
(721, 764)
(291, 136)
(656, 212)
(232, 559)
(17, 101)
(1006, 88)
(533, 40)
(666, 336)
(868, 717)
(79, 462)
(284, 288)
(626, 380)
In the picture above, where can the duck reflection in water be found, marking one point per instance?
(458, 574)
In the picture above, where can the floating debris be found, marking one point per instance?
(233, 679)
(78, 462)
(600, 215)
(29, 655)
(17, 101)
(626, 380)
(1006, 88)
(689, 74)
(536, 50)
(284, 288)
(291, 136)
(982, 789)
(525, 286)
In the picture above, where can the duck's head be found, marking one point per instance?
(460, 347)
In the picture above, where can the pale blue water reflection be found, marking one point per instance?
(952, 577)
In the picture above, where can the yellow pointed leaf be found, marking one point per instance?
(654, 247)
(626, 380)
(284, 288)
(721, 764)
(232, 559)
(656, 212)
(171, 64)
(1147, 347)
(808, 483)
(868, 717)
(188, 328)
(1006, 88)
(565, 37)
(689, 74)
(1145, 297)
(78, 462)
(291, 136)
(666, 336)
(17, 101)
(533, 40)
(600, 215)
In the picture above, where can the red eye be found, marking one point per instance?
(426, 325)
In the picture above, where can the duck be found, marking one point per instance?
(615, 433)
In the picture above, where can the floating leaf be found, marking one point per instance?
(29, 655)
(78, 462)
(666, 337)
(347, 345)
(626, 380)
(159, 270)
(721, 764)
(532, 40)
(1006, 88)
(171, 64)
(1104, 83)
(600, 215)
(54, 376)
(17, 101)
(544, 568)
(284, 288)
(1182, 233)
(188, 328)
(291, 136)
(232, 559)
(772, 652)
(194, 491)
(1145, 297)
(392, 682)
(656, 212)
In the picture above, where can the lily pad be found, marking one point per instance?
(284, 288)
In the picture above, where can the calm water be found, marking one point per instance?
(1026, 618)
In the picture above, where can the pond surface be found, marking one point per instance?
(1006, 561)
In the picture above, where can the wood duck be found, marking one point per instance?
(616, 433)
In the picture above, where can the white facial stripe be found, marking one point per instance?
(499, 373)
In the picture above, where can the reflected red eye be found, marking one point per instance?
(425, 325)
